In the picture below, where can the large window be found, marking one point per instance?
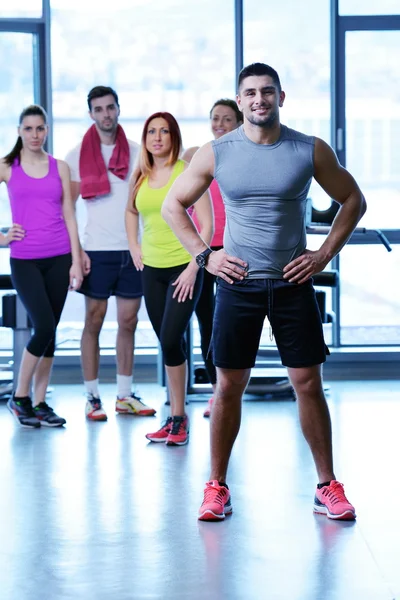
(171, 55)
(368, 298)
(373, 122)
(180, 56)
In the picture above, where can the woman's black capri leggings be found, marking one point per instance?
(169, 317)
(42, 284)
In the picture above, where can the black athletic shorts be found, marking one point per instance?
(112, 273)
(292, 310)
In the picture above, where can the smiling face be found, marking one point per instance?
(105, 112)
(158, 138)
(33, 132)
(259, 99)
(223, 120)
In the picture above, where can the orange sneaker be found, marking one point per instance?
(207, 412)
(331, 501)
(216, 503)
(162, 434)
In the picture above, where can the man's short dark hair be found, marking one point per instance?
(259, 69)
(99, 92)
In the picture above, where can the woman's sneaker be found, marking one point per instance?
(162, 434)
(133, 405)
(179, 434)
(94, 409)
(22, 411)
(47, 416)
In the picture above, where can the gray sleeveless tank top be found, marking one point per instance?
(264, 188)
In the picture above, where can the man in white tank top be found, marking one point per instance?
(106, 258)
(264, 170)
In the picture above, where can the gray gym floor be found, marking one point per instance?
(94, 512)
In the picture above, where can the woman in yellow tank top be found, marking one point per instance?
(171, 279)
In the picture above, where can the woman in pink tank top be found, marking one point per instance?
(44, 257)
(225, 117)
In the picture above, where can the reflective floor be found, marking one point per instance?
(94, 512)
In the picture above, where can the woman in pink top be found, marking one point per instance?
(45, 257)
(225, 117)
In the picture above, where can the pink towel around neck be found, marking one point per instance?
(92, 168)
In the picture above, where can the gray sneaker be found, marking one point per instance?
(22, 411)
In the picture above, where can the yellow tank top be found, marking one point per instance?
(160, 246)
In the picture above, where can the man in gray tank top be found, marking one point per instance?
(264, 171)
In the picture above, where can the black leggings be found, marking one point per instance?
(42, 284)
(205, 314)
(169, 317)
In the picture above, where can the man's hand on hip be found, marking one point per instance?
(305, 266)
(225, 266)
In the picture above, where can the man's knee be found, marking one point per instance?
(232, 382)
(127, 313)
(95, 314)
(128, 322)
(306, 380)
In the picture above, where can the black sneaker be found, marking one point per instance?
(22, 411)
(47, 416)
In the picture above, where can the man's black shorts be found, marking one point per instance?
(112, 273)
(292, 310)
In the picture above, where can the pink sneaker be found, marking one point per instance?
(162, 434)
(216, 503)
(207, 412)
(179, 434)
(332, 502)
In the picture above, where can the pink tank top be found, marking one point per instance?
(219, 215)
(36, 205)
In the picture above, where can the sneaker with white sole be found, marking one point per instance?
(179, 434)
(216, 503)
(161, 434)
(47, 416)
(94, 409)
(133, 405)
(330, 500)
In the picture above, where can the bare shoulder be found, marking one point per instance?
(63, 168)
(324, 153)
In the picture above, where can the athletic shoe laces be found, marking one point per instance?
(166, 423)
(212, 494)
(45, 406)
(177, 425)
(96, 403)
(335, 493)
